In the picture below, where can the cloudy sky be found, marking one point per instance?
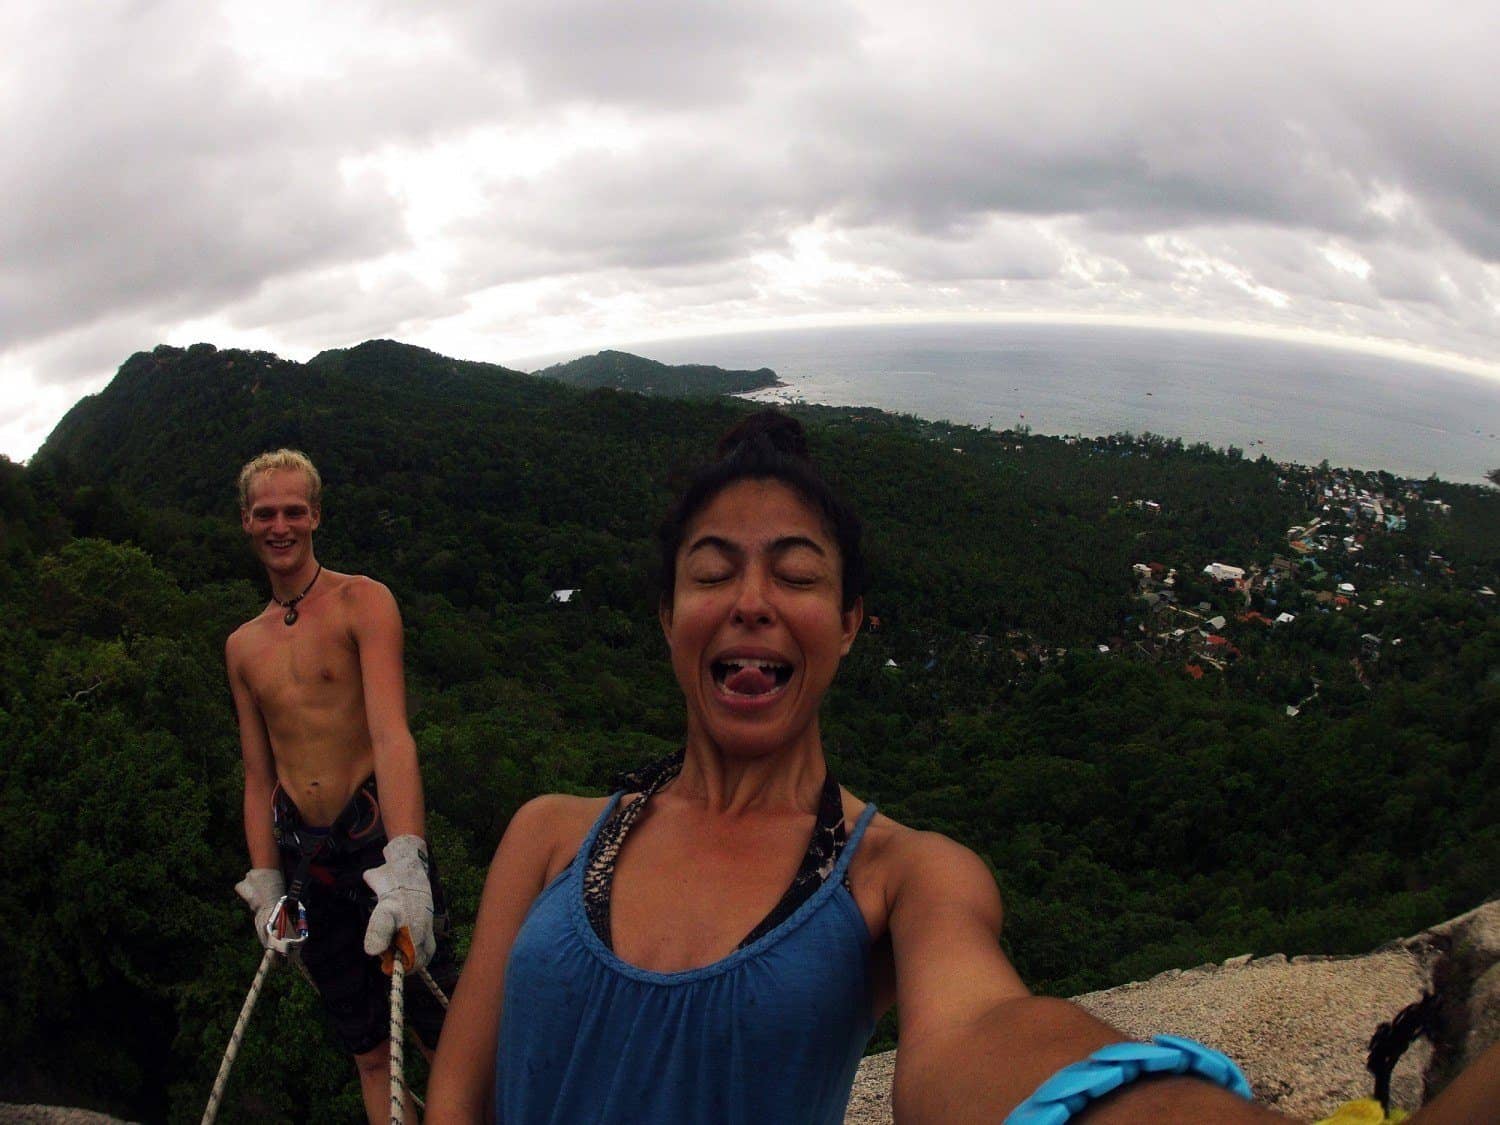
(502, 178)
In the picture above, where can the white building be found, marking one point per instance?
(1222, 572)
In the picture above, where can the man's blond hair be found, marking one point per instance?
(282, 460)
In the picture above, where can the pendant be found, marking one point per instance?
(291, 605)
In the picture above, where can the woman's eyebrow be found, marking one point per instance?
(715, 542)
(788, 542)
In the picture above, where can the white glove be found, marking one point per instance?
(403, 896)
(263, 888)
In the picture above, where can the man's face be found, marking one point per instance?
(280, 519)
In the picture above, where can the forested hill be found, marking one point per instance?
(1146, 806)
(626, 372)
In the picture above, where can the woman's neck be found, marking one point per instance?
(784, 780)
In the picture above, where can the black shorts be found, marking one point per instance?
(355, 993)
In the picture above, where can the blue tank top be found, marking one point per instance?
(771, 1033)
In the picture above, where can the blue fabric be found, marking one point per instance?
(770, 1034)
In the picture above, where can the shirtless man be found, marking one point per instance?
(333, 797)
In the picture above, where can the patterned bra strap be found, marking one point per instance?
(818, 863)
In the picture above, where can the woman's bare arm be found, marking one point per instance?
(463, 1074)
(974, 1041)
(1473, 1098)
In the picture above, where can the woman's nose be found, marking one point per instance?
(752, 606)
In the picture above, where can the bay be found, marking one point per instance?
(1291, 402)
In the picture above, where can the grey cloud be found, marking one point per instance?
(152, 172)
(965, 157)
(1015, 251)
(659, 53)
(334, 308)
(660, 209)
(86, 357)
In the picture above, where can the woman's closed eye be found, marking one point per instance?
(711, 576)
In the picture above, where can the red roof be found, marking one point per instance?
(1195, 670)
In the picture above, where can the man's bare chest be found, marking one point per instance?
(308, 664)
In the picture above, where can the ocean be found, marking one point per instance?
(1291, 402)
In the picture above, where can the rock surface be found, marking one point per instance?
(1300, 1029)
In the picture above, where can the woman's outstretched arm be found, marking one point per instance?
(1473, 1098)
(974, 1041)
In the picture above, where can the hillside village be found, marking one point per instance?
(1319, 601)
(1355, 549)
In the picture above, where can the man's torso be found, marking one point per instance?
(306, 683)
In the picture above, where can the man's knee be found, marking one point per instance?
(374, 1061)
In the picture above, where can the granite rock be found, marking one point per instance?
(1300, 1027)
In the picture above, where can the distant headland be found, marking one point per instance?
(626, 372)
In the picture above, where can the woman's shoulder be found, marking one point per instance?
(559, 811)
(552, 827)
(558, 815)
(898, 855)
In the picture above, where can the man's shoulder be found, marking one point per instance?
(243, 638)
(359, 590)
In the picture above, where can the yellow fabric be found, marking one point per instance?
(1365, 1111)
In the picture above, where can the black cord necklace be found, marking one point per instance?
(290, 605)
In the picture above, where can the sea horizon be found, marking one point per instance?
(1289, 401)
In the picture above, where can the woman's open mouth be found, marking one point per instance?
(746, 678)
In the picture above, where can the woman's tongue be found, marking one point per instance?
(751, 680)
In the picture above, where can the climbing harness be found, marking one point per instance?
(357, 826)
(277, 923)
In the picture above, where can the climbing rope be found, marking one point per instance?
(398, 1023)
(397, 1027)
(432, 986)
(236, 1036)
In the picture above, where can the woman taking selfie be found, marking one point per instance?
(716, 943)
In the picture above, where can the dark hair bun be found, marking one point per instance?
(768, 431)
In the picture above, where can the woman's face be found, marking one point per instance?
(755, 624)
